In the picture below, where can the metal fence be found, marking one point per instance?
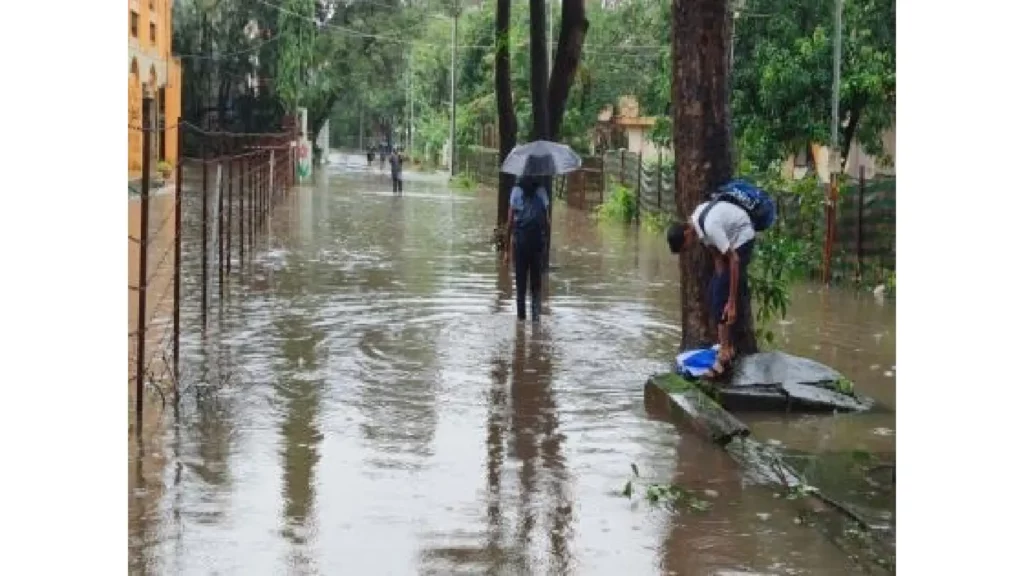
(190, 225)
(651, 180)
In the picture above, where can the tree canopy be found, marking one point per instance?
(371, 64)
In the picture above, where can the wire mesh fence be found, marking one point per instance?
(192, 224)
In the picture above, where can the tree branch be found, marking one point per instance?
(571, 35)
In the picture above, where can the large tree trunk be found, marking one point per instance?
(539, 90)
(539, 70)
(571, 35)
(702, 139)
(849, 131)
(507, 125)
(317, 118)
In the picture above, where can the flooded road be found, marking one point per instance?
(372, 406)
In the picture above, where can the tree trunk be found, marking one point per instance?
(507, 124)
(701, 136)
(320, 115)
(849, 131)
(571, 35)
(539, 70)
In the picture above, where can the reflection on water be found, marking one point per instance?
(386, 413)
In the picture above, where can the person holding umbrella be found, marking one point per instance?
(526, 237)
(528, 230)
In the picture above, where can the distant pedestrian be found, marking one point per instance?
(369, 156)
(526, 237)
(396, 171)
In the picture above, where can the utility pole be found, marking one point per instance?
(455, 33)
(834, 161)
(412, 101)
(837, 51)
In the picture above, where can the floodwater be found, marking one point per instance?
(365, 402)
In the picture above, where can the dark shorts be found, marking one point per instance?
(719, 289)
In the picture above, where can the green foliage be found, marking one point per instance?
(295, 58)
(782, 252)
(782, 77)
(465, 181)
(619, 206)
(671, 495)
(656, 222)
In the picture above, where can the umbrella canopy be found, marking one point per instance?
(541, 158)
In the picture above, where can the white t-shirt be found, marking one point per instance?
(726, 226)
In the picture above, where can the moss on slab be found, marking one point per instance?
(670, 382)
(674, 383)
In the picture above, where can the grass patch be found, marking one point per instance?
(620, 206)
(464, 181)
(656, 222)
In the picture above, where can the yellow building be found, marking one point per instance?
(151, 65)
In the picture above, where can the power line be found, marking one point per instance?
(228, 54)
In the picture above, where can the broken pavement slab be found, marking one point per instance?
(698, 409)
(779, 382)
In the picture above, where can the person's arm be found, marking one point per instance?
(717, 237)
(546, 200)
(513, 197)
(733, 259)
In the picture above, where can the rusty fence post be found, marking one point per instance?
(205, 232)
(140, 325)
(248, 185)
(263, 191)
(659, 179)
(231, 184)
(241, 212)
(830, 223)
(220, 229)
(178, 185)
(639, 184)
(860, 222)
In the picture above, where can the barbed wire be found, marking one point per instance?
(234, 192)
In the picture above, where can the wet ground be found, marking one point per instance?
(369, 405)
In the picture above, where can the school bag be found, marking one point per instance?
(757, 203)
(533, 215)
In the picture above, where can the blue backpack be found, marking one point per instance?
(531, 219)
(757, 203)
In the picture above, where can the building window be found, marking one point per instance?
(152, 33)
(135, 24)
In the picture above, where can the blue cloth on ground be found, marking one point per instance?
(696, 363)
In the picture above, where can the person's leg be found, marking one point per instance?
(717, 298)
(521, 256)
(536, 278)
(399, 183)
(743, 306)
